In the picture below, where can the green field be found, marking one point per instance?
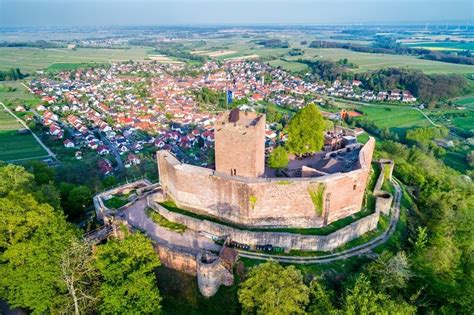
(365, 61)
(442, 45)
(397, 119)
(15, 145)
(33, 59)
(288, 65)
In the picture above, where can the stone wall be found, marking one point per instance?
(211, 274)
(285, 240)
(240, 146)
(383, 199)
(177, 260)
(265, 202)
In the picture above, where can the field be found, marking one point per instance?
(397, 119)
(450, 46)
(15, 145)
(289, 65)
(163, 59)
(365, 61)
(33, 59)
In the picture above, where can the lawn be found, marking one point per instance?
(162, 221)
(116, 202)
(33, 59)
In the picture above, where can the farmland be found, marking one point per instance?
(444, 45)
(364, 61)
(15, 145)
(33, 59)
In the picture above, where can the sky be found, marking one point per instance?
(232, 12)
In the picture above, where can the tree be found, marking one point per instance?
(273, 289)
(79, 273)
(14, 177)
(128, 282)
(389, 272)
(320, 299)
(278, 159)
(362, 299)
(33, 238)
(75, 199)
(305, 131)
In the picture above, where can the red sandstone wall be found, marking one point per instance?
(262, 202)
(240, 148)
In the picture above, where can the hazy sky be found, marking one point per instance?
(166, 12)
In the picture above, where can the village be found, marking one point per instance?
(134, 108)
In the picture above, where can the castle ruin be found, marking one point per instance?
(311, 193)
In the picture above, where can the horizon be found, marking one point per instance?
(228, 13)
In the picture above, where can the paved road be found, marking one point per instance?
(50, 153)
(352, 252)
(190, 241)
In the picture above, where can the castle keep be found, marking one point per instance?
(312, 192)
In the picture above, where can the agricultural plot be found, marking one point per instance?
(444, 45)
(33, 59)
(397, 119)
(368, 61)
(16, 145)
(289, 65)
(365, 61)
(164, 59)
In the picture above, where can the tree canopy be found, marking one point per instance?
(128, 282)
(273, 289)
(278, 159)
(305, 131)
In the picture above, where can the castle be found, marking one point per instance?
(240, 190)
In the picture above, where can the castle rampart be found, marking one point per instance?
(266, 202)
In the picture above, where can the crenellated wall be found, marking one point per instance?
(266, 202)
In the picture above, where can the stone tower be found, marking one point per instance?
(240, 143)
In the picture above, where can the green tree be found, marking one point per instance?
(14, 178)
(273, 289)
(128, 282)
(278, 159)
(75, 199)
(305, 131)
(320, 299)
(390, 272)
(362, 299)
(33, 237)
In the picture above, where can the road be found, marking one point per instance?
(113, 148)
(352, 252)
(190, 241)
(50, 153)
